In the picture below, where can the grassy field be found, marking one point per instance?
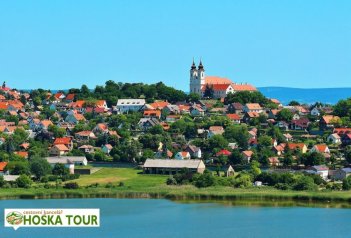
(138, 185)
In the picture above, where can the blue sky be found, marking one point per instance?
(63, 44)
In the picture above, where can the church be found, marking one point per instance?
(221, 86)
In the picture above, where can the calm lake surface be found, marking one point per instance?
(164, 218)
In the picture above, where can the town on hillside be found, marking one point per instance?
(221, 129)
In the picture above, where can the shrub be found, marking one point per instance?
(72, 185)
(2, 181)
(121, 184)
(23, 181)
(171, 181)
(204, 180)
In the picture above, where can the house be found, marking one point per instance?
(171, 109)
(126, 105)
(321, 148)
(342, 173)
(195, 152)
(328, 121)
(173, 118)
(215, 130)
(272, 114)
(152, 114)
(75, 118)
(274, 161)
(235, 118)
(342, 131)
(298, 146)
(106, 148)
(279, 149)
(87, 149)
(44, 124)
(147, 123)
(159, 105)
(252, 107)
(235, 107)
(168, 166)
(299, 124)
(228, 170)
(23, 154)
(58, 150)
(3, 168)
(101, 128)
(223, 153)
(196, 111)
(68, 161)
(250, 115)
(334, 138)
(321, 170)
(70, 97)
(247, 154)
(287, 137)
(85, 135)
(182, 155)
(315, 111)
(67, 141)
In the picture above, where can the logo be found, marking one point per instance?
(16, 218)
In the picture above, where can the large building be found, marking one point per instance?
(221, 86)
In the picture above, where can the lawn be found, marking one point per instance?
(130, 177)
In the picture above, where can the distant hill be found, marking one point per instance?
(308, 95)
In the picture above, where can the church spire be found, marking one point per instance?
(200, 65)
(193, 66)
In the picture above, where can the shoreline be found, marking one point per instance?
(251, 197)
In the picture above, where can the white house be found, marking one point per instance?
(68, 161)
(322, 170)
(334, 138)
(315, 111)
(126, 105)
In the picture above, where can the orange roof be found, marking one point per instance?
(253, 106)
(233, 116)
(219, 87)
(253, 114)
(100, 103)
(3, 105)
(329, 118)
(2, 165)
(23, 154)
(321, 147)
(79, 117)
(342, 130)
(217, 80)
(70, 96)
(247, 153)
(185, 153)
(216, 128)
(63, 140)
(46, 123)
(159, 104)
(152, 113)
(61, 147)
(293, 146)
(77, 104)
(84, 133)
(243, 87)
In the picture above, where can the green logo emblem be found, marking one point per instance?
(14, 218)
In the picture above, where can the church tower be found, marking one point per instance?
(197, 78)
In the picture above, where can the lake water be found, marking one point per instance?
(163, 218)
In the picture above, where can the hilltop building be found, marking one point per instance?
(221, 86)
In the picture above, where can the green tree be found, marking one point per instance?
(23, 181)
(285, 115)
(60, 170)
(209, 92)
(40, 167)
